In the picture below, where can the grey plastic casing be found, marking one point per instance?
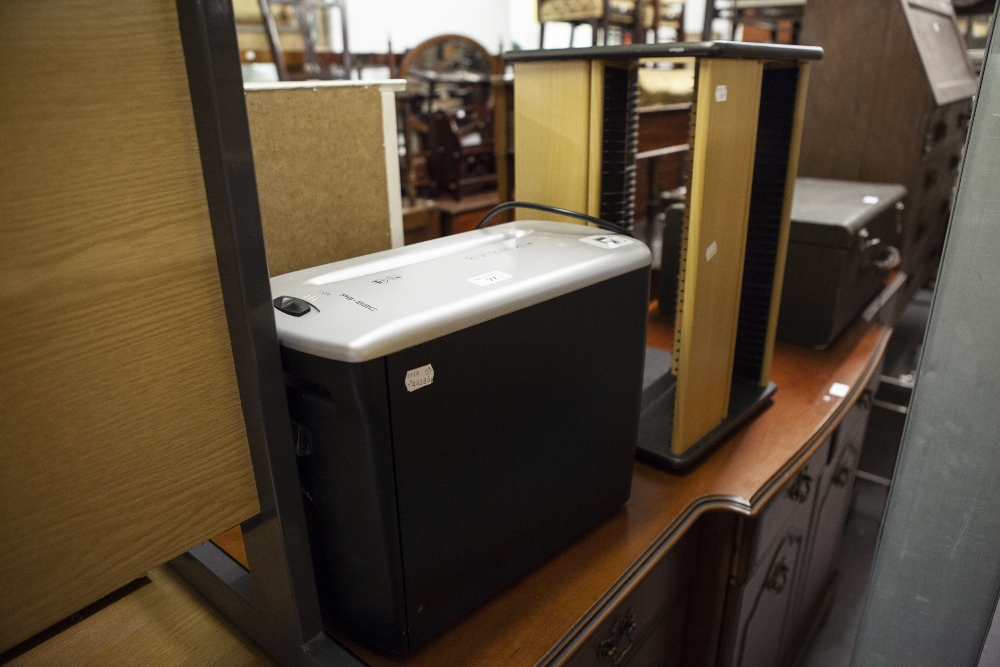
(378, 304)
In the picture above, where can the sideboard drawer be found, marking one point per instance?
(660, 598)
(662, 646)
(826, 531)
(799, 490)
(766, 598)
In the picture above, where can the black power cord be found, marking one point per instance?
(603, 224)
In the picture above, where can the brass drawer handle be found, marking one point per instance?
(800, 492)
(611, 648)
(779, 577)
(842, 476)
(866, 399)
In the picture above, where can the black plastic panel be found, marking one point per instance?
(620, 138)
(770, 174)
(524, 440)
(720, 49)
(340, 422)
(424, 503)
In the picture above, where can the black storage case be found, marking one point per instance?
(843, 243)
(423, 504)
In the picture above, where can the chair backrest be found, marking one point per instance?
(312, 18)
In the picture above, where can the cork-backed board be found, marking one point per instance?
(122, 438)
(327, 168)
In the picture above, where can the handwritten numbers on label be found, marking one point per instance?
(417, 378)
(489, 278)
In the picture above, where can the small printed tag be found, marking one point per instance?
(839, 389)
(721, 93)
(711, 250)
(419, 377)
(489, 278)
(607, 241)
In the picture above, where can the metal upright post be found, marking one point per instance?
(275, 602)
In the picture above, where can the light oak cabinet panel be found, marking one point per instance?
(122, 437)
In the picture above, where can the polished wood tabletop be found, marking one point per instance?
(539, 619)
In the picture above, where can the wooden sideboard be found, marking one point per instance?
(726, 564)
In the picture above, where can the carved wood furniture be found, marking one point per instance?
(448, 117)
(460, 156)
(891, 115)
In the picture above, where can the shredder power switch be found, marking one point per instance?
(292, 306)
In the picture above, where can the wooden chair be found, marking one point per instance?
(772, 20)
(307, 14)
(632, 18)
(449, 129)
(661, 13)
(601, 14)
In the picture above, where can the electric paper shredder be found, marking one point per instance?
(462, 408)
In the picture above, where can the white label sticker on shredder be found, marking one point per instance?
(489, 278)
(721, 93)
(419, 377)
(607, 241)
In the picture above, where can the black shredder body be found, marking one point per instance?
(438, 473)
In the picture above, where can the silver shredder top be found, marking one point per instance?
(371, 306)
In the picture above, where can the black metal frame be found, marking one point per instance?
(276, 601)
(717, 49)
